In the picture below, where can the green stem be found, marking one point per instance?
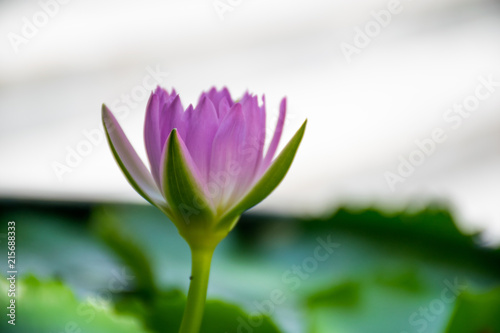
(200, 271)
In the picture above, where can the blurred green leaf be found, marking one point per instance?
(167, 309)
(346, 294)
(385, 301)
(126, 248)
(398, 260)
(51, 307)
(476, 313)
(405, 279)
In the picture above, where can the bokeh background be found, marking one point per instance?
(399, 166)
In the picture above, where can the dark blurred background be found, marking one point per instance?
(399, 166)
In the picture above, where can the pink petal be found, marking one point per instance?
(172, 117)
(223, 109)
(226, 163)
(276, 137)
(202, 126)
(130, 163)
(152, 136)
(256, 128)
(253, 146)
(216, 97)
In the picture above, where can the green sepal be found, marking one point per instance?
(183, 192)
(267, 183)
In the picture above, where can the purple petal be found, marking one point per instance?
(186, 117)
(201, 130)
(263, 118)
(256, 125)
(172, 117)
(152, 136)
(164, 97)
(217, 96)
(224, 107)
(276, 137)
(130, 163)
(162, 94)
(153, 130)
(226, 163)
(252, 150)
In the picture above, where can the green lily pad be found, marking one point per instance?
(51, 307)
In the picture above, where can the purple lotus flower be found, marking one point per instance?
(208, 164)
